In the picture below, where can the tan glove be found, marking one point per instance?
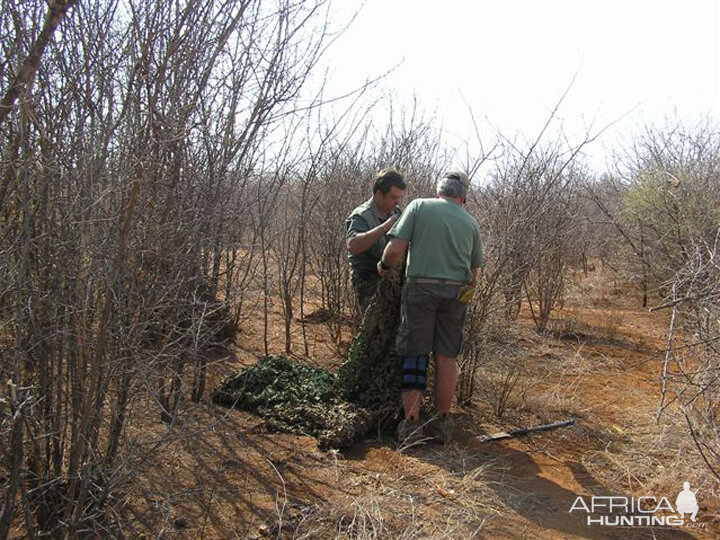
(466, 294)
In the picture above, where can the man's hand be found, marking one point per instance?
(466, 294)
(363, 241)
(381, 271)
(389, 222)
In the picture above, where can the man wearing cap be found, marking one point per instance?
(445, 255)
(366, 227)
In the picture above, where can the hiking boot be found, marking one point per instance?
(441, 428)
(409, 432)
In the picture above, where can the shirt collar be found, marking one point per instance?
(376, 211)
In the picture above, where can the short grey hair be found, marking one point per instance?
(451, 187)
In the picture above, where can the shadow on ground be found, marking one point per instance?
(537, 488)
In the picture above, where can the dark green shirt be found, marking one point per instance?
(444, 240)
(364, 218)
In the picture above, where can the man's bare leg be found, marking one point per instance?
(411, 404)
(445, 381)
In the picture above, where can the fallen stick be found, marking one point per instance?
(525, 431)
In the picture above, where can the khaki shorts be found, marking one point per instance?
(432, 319)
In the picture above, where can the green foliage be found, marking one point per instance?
(671, 203)
(676, 210)
(642, 197)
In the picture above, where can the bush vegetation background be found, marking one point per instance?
(161, 179)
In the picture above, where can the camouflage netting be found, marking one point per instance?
(370, 376)
(337, 409)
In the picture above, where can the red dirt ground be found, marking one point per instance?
(220, 473)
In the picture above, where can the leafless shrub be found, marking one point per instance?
(341, 185)
(691, 365)
(125, 170)
(529, 211)
(410, 143)
(504, 384)
(669, 217)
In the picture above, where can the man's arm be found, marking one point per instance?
(363, 241)
(474, 279)
(393, 254)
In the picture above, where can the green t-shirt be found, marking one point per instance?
(444, 239)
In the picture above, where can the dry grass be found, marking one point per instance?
(437, 497)
(600, 325)
(599, 364)
(561, 399)
(654, 460)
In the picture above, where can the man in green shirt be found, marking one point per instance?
(445, 255)
(365, 230)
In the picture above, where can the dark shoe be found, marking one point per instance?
(441, 428)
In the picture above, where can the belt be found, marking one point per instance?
(433, 281)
